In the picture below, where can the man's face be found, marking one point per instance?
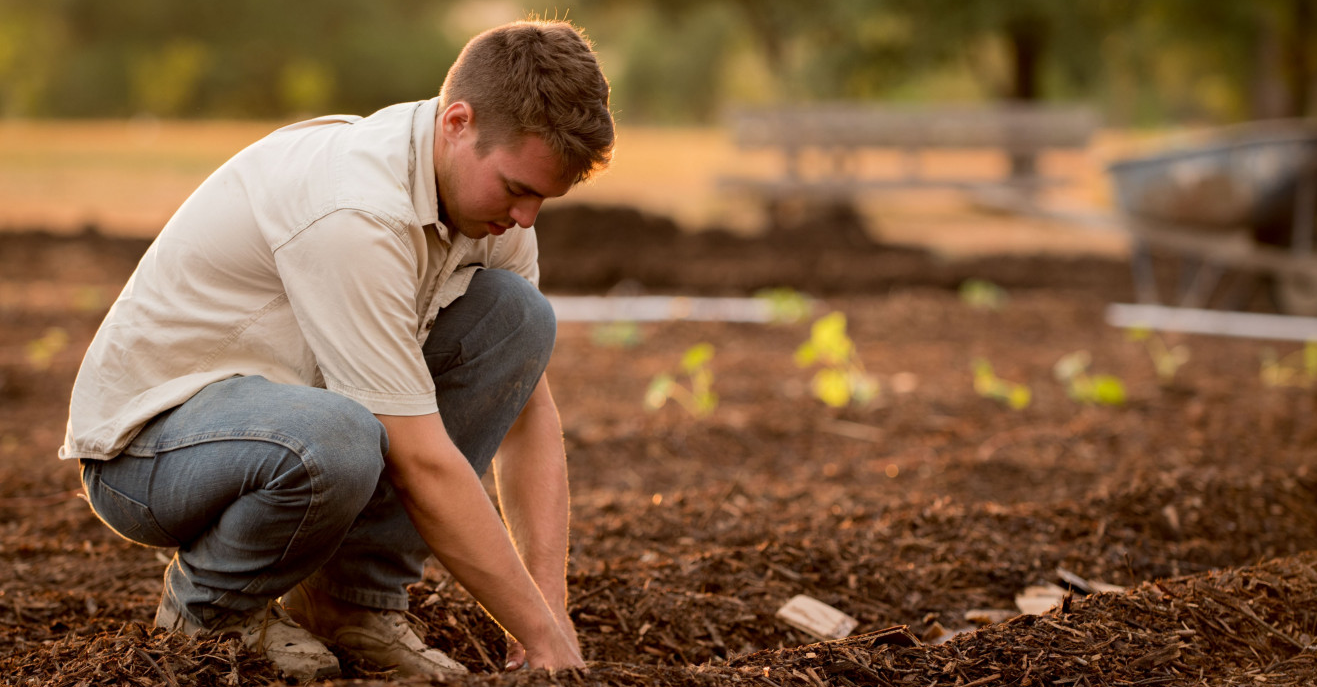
(480, 195)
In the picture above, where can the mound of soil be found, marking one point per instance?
(1197, 494)
(592, 249)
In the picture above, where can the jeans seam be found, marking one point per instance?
(315, 476)
(271, 436)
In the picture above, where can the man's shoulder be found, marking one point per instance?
(348, 162)
(398, 113)
(326, 120)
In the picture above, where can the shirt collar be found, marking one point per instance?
(425, 195)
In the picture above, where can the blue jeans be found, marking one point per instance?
(263, 485)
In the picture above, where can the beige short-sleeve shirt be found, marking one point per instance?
(313, 257)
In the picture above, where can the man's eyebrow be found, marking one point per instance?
(520, 187)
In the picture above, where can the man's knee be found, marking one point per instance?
(345, 442)
(528, 310)
(340, 444)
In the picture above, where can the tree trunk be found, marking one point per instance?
(1027, 37)
(1299, 68)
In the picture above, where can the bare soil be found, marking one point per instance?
(1198, 495)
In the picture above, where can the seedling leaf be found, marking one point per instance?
(981, 294)
(41, 352)
(1071, 365)
(698, 399)
(696, 357)
(659, 390)
(832, 387)
(842, 380)
(785, 304)
(1108, 390)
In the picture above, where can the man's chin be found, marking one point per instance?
(473, 231)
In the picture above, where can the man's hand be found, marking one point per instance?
(517, 651)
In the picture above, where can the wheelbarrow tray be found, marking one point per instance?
(1244, 176)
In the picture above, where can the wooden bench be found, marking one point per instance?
(841, 133)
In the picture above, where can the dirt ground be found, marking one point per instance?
(1198, 494)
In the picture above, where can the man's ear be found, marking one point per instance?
(457, 120)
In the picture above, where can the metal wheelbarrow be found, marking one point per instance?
(1241, 202)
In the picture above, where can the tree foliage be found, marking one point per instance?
(238, 58)
(675, 61)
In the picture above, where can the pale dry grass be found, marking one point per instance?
(127, 178)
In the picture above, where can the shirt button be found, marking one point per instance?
(429, 324)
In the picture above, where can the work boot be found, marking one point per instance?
(380, 637)
(268, 632)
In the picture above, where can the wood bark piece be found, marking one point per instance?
(1038, 599)
(1084, 585)
(820, 620)
(989, 616)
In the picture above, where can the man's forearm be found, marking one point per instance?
(452, 513)
(531, 474)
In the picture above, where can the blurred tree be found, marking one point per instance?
(1214, 60)
(31, 41)
(1023, 50)
(670, 70)
(165, 80)
(672, 61)
(239, 58)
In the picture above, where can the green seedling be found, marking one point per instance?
(1167, 360)
(785, 304)
(41, 352)
(1298, 369)
(622, 334)
(698, 398)
(988, 385)
(981, 294)
(841, 379)
(89, 299)
(1072, 370)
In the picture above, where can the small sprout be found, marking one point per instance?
(981, 294)
(89, 299)
(1167, 361)
(842, 379)
(1072, 370)
(698, 399)
(785, 304)
(988, 385)
(41, 352)
(622, 334)
(1298, 369)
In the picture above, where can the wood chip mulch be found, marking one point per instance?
(1249, 625)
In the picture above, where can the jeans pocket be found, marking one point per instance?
(128, 517)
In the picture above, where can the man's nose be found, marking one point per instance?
(524, 211)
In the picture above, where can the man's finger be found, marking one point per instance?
(516, 655)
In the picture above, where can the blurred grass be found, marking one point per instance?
(127, 178)
(124, 177)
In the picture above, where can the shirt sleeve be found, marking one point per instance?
(351, 281)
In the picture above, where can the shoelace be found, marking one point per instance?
(274, 613)
(265, 623)
(420, 627)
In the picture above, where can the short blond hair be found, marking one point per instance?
(536, 77)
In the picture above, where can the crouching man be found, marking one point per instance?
(325, 348)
